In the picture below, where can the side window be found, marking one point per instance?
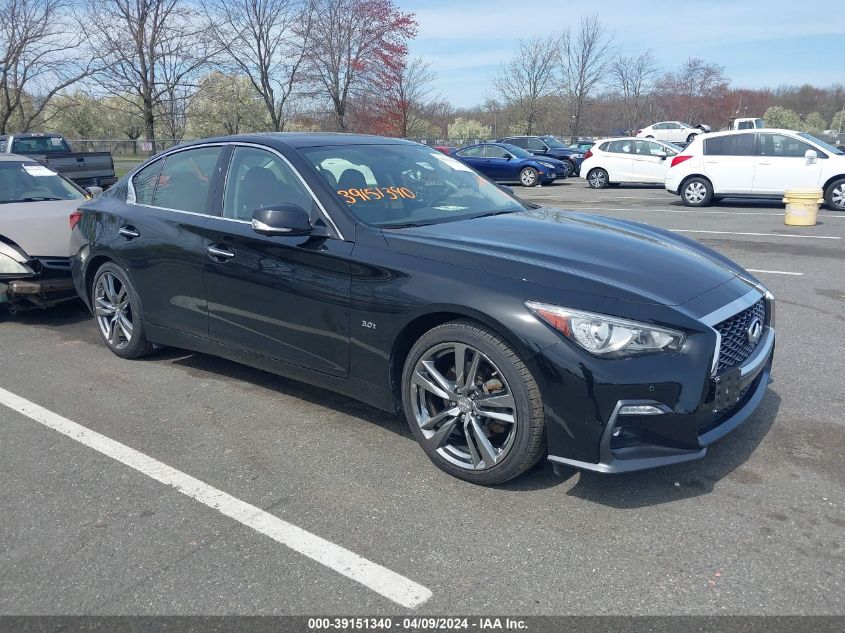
(620, 147)
(744, 125)
(535, 144)
(519, 142)
(494, 151)
(471, 152)
(658, 126)
(144, 182)
(258, 178)
(186, 179)
(603, 147)
(782, 146)
(730, 145)
(2, 145)
(648, 148)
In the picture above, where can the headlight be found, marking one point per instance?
(608, 336)
(547, 165)
(9, 266)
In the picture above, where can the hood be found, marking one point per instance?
(39, 228)
(573, 251)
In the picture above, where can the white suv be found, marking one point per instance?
(756, 164)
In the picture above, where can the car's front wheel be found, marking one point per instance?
(697, 192)
(568, 169)
(834, 196)
(691, 138)
(597, 178)
(117, 310)
(472, 404)
(529, 177)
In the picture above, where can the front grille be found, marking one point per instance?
(735, 347)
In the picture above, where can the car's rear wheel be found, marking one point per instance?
(597, 178)
(472, 404)
(834, 196)
(529, 177)
(697, 192)
(691, 138)
(117, 310)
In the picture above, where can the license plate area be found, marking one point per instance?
(726, 389)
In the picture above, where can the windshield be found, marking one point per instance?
(826, 146)
(404, 185)
(551, 141)
(40, 145)
(31, 182)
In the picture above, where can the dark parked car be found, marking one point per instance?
(551, 147)
(508, 163)
(86, 169)
(390, 272)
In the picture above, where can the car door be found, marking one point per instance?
(500, 163)
(781, 164)
(474, 157)
(160, 236)
(648, 162)
(286, 298)
(729, 162)
(619, 161)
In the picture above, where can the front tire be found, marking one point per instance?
(697, 192)
(834, 195)
(472, 404)
(117, 311)
(598, 178)
(529, 177)
(568, 169)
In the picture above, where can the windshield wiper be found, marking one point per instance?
(487, 215)
(38, 199)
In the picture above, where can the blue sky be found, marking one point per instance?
(759, 42)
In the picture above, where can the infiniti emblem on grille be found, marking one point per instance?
(754, 331)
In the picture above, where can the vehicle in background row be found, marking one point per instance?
(35, 204)
(746, 123)
(446, 149)
(550, 147)
(615, 161)
(756, 164)
(392, 273)
(672, 131)
(94, 169)
(507, 163)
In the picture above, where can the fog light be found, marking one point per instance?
(640, 409)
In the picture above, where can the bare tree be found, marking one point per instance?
(633, 78)
(528, 79)
(39, 58)
(585, 56)
(697, 90)
(266, 41)
(356, 40)
(153, 52)
(403, 98)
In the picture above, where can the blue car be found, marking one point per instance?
(549, 147)
(507, 163)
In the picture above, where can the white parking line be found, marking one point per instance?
(809, 237)
(383, 581)
(697, 211)
(773, 272)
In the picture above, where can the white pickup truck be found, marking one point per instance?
(746, 123)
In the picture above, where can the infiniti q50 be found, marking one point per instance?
(393, 273)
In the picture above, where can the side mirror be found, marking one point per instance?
(811, 154)
(508, 156)
(662, 155)
(281, 219)
(94, 191)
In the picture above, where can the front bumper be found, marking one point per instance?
(671, 434)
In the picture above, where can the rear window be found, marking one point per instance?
(40, 145)
(731, 145)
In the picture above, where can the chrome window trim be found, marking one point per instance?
(131, 198)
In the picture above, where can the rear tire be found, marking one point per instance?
(472, 404)
(117, 312)
(697, 192)
(691, 138)
(834, 195)
(529, 177)
(598, 178)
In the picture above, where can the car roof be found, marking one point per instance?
(750, 131)
(33, 135)
(16, 158)
(298, 140)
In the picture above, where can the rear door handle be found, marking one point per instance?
(764, 162)
(128, 232)
(220, 254)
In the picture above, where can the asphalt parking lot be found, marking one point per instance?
(756, 527)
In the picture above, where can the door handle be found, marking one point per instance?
(764, 162)
(128, 232)
(221, 254)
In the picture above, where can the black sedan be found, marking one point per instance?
(397, 275)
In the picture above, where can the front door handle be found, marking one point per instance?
(764, 162)
(220, 254)
(128, 232)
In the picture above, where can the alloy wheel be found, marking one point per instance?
(528, 178)
(463, 406)
(113, 310)
(837, 196)
(695, 192)
(597, 179)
